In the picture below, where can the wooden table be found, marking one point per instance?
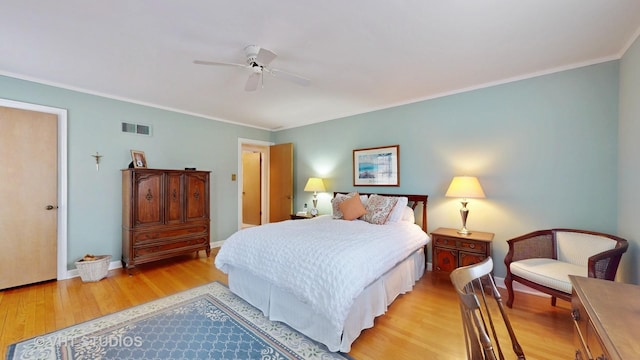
(452, 250)
(606, 316)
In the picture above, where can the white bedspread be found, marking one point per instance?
(322, 261)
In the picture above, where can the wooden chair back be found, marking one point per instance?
(475, 287)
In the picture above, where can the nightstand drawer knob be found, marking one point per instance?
(472, 246)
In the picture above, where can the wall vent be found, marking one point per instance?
(139, 129)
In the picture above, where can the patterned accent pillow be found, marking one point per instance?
(352, 208)
(378, 208)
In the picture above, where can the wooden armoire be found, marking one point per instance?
(164, 213)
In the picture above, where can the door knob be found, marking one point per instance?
(50, 207)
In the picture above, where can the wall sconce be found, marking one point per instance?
(315, 185)
(465, 187)
(97, 157)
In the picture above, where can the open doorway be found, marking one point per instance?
(252, 182)
(252, 168)
(276, 180)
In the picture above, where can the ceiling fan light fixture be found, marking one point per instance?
(251, 51)
(256, 68)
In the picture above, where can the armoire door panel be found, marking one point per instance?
(174, 199)
(197, 196)
(148, 194)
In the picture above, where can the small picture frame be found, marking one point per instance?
(378, 166)
(138, 159)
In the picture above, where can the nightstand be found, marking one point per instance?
(452, 250)
(300, 217)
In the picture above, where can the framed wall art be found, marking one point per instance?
(138, 159)
(378, 166)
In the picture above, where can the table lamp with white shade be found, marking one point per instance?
(315, 185)
(465, 187)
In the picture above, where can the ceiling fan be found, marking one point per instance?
(258, 60)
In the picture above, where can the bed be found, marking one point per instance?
(328, 277)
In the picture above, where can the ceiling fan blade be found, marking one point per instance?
(253, 81)
(265, 57)
(203, 62)
(290, 77)
(258, 60)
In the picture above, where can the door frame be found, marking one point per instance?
(62, 272)
(264, 203)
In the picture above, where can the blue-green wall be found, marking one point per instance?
(178, 141)
(545, 150)
(629, 165)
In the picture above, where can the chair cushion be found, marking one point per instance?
(548, 272)
(576, 248)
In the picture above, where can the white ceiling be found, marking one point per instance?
(360, 55)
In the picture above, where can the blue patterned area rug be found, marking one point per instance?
(208, 322)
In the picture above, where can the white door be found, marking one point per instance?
(28, 210)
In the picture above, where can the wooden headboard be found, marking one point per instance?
(413, 203)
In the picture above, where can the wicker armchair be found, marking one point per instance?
(543, 260)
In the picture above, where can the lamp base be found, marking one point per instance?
(464, 212)
(314, 211)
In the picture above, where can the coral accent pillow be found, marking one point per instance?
(379, 208)
(339, 198)
(352, 208)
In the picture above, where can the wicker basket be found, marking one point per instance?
(94, 270)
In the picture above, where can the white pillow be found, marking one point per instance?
(398, 210)
(408, 215)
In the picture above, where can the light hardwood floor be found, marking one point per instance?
(424, 324)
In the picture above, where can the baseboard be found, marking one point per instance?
(216, 244)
